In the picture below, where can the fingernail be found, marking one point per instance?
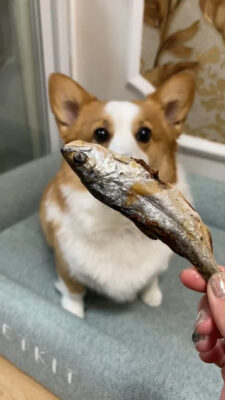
(196, 337)
(217, 283)
(201, 317)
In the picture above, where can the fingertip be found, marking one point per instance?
(216, 355)
(193, 280)
(216, 298)
(206, 343)
(206, 327)
(205, 357)
(204, 323)
(223, 373)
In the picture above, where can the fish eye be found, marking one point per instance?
(79, 158)
(143, 134)
(101, 135)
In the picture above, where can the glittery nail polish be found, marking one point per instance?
(201, 317)
(217, 283)
(196, 337)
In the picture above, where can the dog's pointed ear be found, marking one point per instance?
(66, 100)
(176, 96)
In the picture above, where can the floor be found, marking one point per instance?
(14, 385)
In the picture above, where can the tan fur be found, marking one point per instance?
(63, 271)
(78, 114)
(166, 124)
(52, 193)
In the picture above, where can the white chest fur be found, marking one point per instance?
(103, 249)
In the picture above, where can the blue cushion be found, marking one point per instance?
(21, 189)
(129, 352)
(209, 199)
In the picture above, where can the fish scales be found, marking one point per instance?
(158, 209)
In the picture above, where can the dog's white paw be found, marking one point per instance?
(60, 286)
(73, 305)
(152, 298)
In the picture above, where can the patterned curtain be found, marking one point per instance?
(183, 34)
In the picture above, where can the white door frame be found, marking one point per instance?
(52, 31)
(58, 27)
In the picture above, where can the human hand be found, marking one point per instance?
(210, 322)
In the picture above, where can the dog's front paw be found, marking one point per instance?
(152, 297)
(73, 305)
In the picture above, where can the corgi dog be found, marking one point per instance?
(94, 246)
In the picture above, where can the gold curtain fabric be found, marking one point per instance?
(189, 34)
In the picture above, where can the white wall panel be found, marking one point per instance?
(102, 46)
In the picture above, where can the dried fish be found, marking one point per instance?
(158, 209)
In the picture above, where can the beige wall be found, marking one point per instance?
(207, 117)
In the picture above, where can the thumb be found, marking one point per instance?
(216, 298)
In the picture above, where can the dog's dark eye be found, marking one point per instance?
(143, 134)
(101, 135)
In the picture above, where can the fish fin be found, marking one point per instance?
(144, 165)
(154, 174)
